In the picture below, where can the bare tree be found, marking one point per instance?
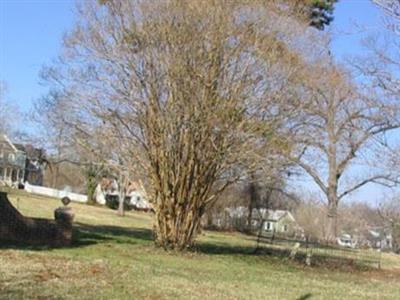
(390, 7)
(268, 191)
(8, 112)
(381, 62)
(339, 131)
(389, 210)
(311, 215)
(192, 93)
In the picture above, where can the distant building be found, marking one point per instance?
(20, 163)
(346, 240)
(380, 238)
(271, 221)
(374, 237)
(268, 221)
(107, 193)
(12, 162)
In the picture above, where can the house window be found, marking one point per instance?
(285, 228)
(268, 226)
(254, 222)
(11, 157)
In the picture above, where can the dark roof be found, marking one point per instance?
(20, 147)
(30, 151)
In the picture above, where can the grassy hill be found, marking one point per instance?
(114, 258)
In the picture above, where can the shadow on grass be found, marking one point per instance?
(305, 297)
(223, 249)
(227, 249)
(86, 235)
(329, 262)
(93, 234)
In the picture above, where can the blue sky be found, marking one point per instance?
(351, 17)
(30, 36)
(31, 32)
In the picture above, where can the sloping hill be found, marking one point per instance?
(114, 258)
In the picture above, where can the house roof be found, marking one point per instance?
(8, 141)
(31, 152)
(380, 233)
(266, 214)
(272, 215)
(20, 147)
(236, 212)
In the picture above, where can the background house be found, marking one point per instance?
(107, 193)
(20, 163)
(12, 162)
(268, 221)
(279, 222)
(380, 238)
(35, 164)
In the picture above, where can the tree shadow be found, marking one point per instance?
(228, 249)
(93, 234)
(305, 296)
(212, 248)
(87, 235)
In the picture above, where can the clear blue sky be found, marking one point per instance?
(31, 33)
(30, 36)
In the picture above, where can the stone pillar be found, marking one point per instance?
(64, 217)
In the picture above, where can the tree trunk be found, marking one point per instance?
(91, 189)
(121, 210)
(55, 177)
(176, 229)
(396, 238)
(331, 233)
(253, 200)
(252, 203)
(123, 187)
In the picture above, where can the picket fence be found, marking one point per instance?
(40, 190)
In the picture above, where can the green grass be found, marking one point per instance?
(114, 258)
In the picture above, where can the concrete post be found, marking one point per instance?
(64, 217)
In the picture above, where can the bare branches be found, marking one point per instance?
(335, 127)
(391, 7)
(385, 180)
(193, 94)
(8, 112)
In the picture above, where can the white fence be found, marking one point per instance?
(55, 193)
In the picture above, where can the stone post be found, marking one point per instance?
(64, 217)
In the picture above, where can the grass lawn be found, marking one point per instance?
(114, 258)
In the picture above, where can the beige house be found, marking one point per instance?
(271, 221)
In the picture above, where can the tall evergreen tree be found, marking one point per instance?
(318, 12)
(321, 13)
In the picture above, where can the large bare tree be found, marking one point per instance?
(192, 93)
(339, 131)
(389, 210)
